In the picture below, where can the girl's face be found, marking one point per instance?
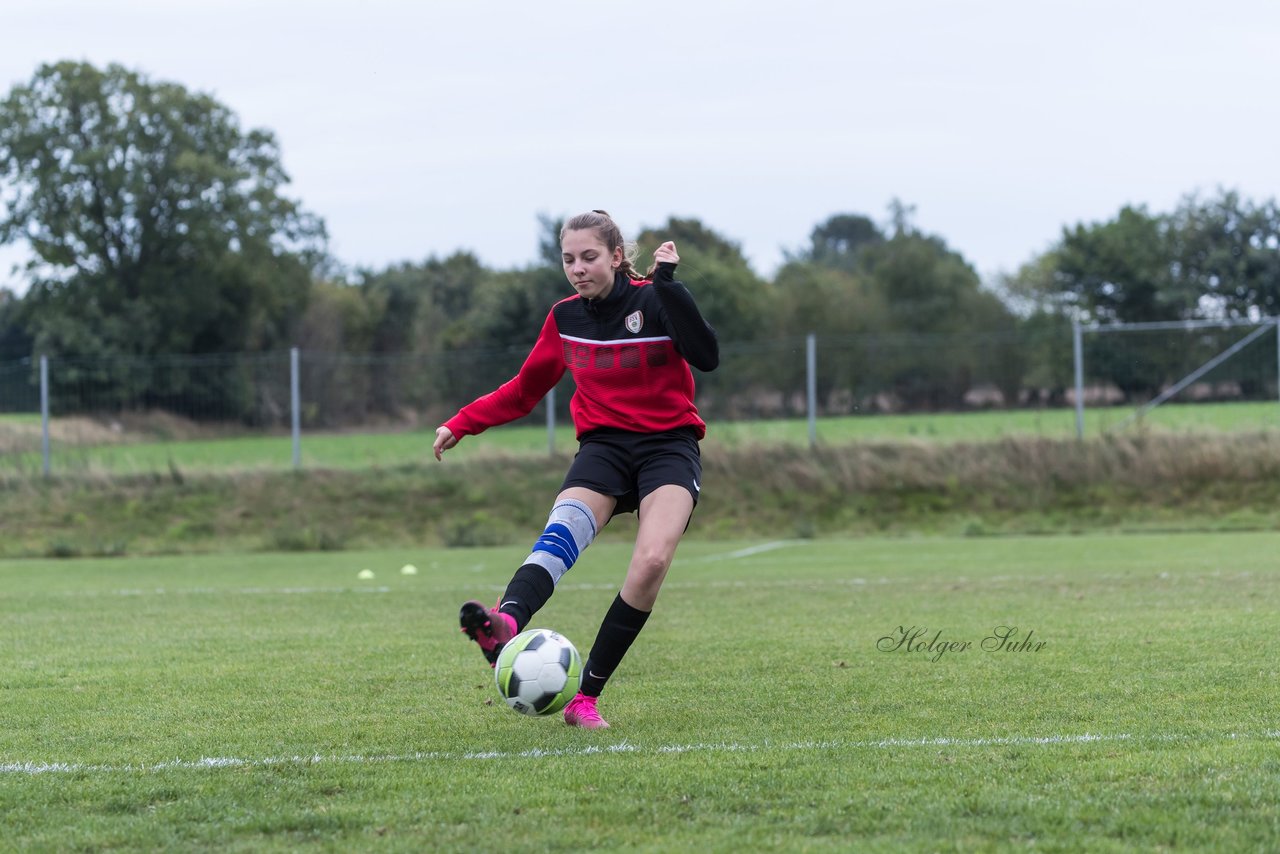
(588, 263)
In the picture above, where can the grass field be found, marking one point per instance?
(363, 450)
(274, 702)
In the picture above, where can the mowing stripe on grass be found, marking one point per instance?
(215, 762)
(749, 551)
(208, 591)
(238, 591)
(673, 584)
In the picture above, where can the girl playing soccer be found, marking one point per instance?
(629, 342)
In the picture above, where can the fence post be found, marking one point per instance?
(44, 414)
(1278, 356)
(1077, 346)
(295, 405)
(551, 421)
(811, 386)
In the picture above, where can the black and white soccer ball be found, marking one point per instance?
(538, 672)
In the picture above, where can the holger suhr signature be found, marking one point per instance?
(934, 645)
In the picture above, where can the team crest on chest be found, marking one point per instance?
(635, 321)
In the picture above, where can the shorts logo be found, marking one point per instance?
(635, 322)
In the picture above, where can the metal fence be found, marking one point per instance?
(810, 377)
(1149, 364)
(755, 380)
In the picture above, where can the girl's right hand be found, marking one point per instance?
(444, 440)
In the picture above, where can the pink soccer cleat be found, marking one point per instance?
(582, 712)
(488, 627)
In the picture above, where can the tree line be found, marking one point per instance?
(159, 226)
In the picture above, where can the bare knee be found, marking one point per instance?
(644, 577)
(651, 563)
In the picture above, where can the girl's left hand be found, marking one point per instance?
(666, 254)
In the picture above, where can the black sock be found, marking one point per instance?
(528, 590)
(620, 626)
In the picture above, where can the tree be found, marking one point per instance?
(338, 390)
(549, 240)
(1116, 271)
(919, 284)
(15, 343)
(1044, 318)
(18, 391)
(824, 289)
(417, 306)
(947, 333)
(845, 310)
(1119, 270)
(1214, 258)
(898, 313)
(839, 241)
(156, 224)
(1225, 253)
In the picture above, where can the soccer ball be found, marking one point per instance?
(538, 672)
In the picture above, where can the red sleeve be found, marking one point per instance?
(516, 397)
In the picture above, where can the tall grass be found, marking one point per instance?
(1016, 485)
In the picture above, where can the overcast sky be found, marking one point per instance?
(421, 128)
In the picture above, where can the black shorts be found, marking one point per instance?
(630, 465)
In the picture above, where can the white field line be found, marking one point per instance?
(623, 747)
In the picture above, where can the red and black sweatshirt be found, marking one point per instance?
(629, 354)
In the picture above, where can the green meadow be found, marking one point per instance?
(133, 454)
(991, 663)
(1100, 693)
